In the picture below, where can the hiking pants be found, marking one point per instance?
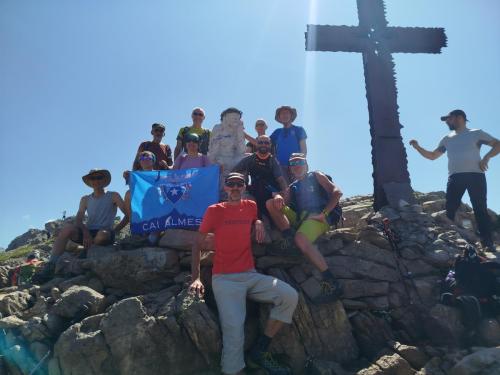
(475, 184)
(231, 291)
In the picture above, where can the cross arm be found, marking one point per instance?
(415, 39)
(334, 38)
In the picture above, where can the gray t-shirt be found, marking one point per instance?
(463, 150)
(101, 211)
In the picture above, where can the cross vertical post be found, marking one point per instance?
(377, 41)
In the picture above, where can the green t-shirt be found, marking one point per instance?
(204, 135)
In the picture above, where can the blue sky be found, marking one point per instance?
(81, 82)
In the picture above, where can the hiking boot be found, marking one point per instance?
(285, 247)
(265, 361)
(45, 274)
(490, 247)
(331, 290)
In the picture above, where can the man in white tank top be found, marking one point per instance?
(99, 229)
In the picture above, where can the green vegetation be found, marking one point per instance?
(20, 252)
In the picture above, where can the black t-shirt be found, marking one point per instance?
(262, 172)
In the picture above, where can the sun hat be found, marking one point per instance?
(292, 110)
(104, 172)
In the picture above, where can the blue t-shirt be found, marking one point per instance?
(287, 141)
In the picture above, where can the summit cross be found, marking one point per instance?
(377, 41)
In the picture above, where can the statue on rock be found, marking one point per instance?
(227, 141)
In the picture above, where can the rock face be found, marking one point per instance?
(31, 237)
(124, 310)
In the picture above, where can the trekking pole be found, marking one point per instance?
(39, 364)
(404, 274)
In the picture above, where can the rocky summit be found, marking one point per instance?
(124, 309)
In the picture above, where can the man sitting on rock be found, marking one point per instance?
(310, 207)
(265, 174)
(235, 278)
(99, 229)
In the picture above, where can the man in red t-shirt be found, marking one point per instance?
(162, 152)
(234, 278)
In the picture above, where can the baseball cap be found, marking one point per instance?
(455, 112)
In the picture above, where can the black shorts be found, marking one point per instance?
(93, 233)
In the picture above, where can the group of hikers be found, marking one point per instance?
(301, 204)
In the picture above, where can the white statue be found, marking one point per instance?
(227, 141)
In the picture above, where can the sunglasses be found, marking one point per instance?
(159, 130)
(198, 114)
(145, 157)
(97, 177)
(297, 162)
(234, 184)
(263, 142)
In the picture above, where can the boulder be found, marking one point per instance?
(137, 271)
(78, 301)
(444, 326)
(489, 332)
(82, 350)
(11, 322)
(482, 362)
(180, 239)
(14, 302)
(416, 357)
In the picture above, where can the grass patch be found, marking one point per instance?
(20, 252)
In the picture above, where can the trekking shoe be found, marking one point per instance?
(490, 248)
(331, 291)
(265, 361)
(285, 247)
(45, 274)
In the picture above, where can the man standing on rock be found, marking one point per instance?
(265, 173)
(99, 228)
(162, 152)
(288, 139)
(310, 207)
(198, 115)
(465, 169)
(234, 278)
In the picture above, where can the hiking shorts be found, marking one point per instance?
(231, 291)
(93, 233)
(312, 229)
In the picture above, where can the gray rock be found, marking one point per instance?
(14, 302)
(483, 362)
(489, 331)
(137, 271)
(11, 322)
(444, 326)
(78, 300)
(179, 239)
(351, 267)
(416, 357)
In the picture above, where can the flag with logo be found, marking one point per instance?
(172, 199)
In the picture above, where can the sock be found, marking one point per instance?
(53, 258)
(327, 275)
(287, 233)
(262, 344)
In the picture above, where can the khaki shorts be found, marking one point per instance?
(312, 229)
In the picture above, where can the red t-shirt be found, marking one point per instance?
(232, 226)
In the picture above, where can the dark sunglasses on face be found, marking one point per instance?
(297, 162)
(234, 184)
(96, 177)
(159, 131)
(263, 142)
(197, 114)
(145, 157)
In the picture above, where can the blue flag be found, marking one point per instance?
(172, 199)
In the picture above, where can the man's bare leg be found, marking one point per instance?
(272, 327)
(311, 252)
(68, 232)
(278, 217)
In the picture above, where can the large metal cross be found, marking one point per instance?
(377, 41)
